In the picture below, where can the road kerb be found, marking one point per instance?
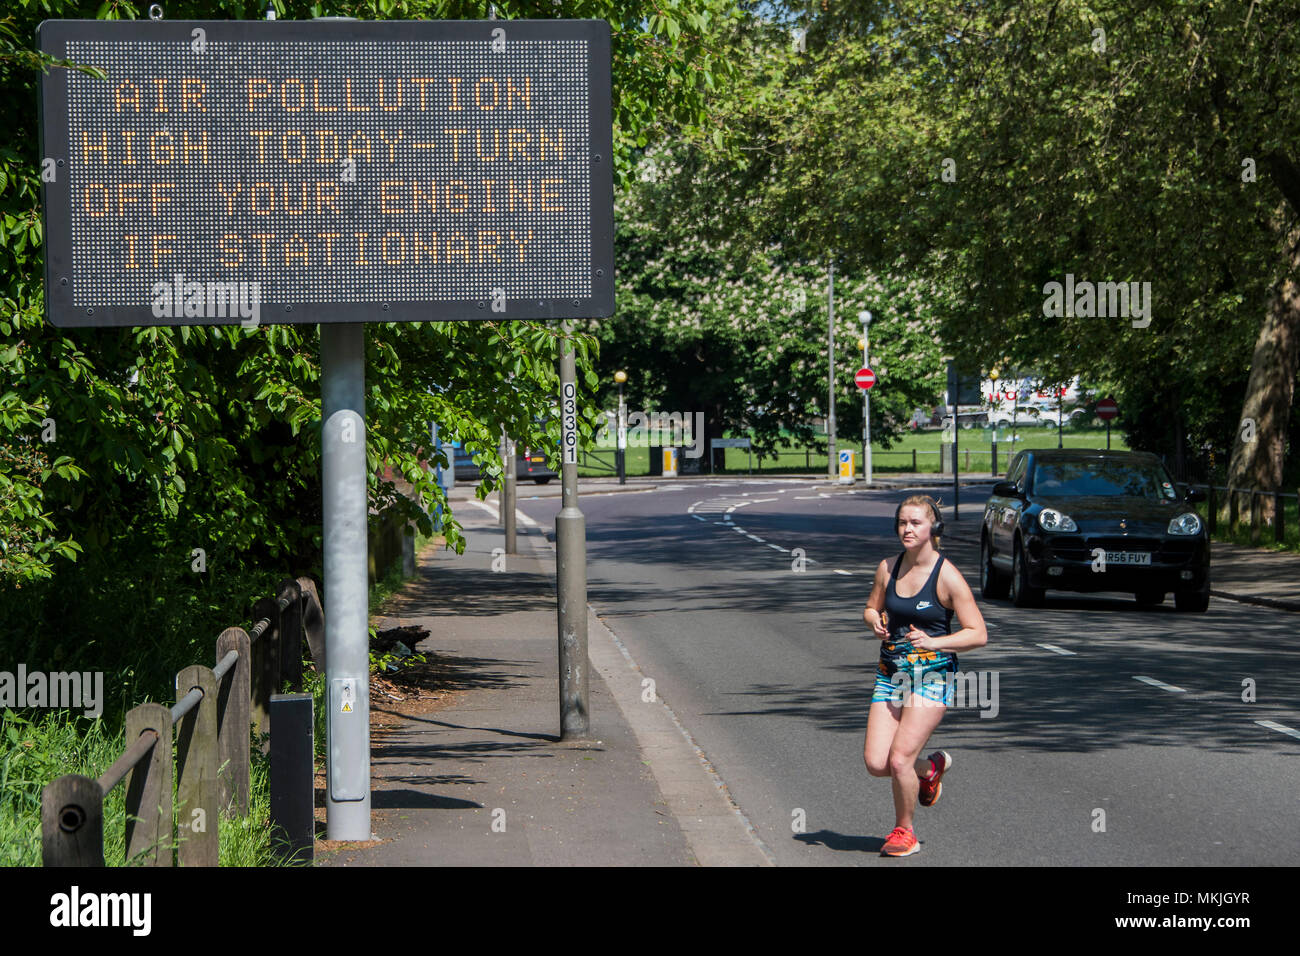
(716, 830)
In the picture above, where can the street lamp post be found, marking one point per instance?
(1060, 417)
(620, 376)
(865, 317)
(830, 354)
(995, 399)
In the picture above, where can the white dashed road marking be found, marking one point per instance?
(1280, 728)
(850, 573)
(1055, 649)
(1159, 683)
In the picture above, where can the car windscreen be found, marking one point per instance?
(1100, 477)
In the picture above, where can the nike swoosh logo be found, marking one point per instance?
(922, 605)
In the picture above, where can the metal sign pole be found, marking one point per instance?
(571, 560)
(956, 480)
(347, 645)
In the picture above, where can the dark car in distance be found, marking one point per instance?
(1092, 520)
(530, 465)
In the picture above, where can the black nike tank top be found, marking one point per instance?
(922, 611)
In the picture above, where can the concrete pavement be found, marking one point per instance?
(487, 781)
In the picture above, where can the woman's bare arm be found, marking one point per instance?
(953, 591)
(873, 613)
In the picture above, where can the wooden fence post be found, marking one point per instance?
(234, 721)
(291, 634)
(313, 622)
(266, 663)
(72, 822)
(1254, 516)
(1279, 516)
(149, 788)
(197, 830)
(1213, 510)
(1232, 510)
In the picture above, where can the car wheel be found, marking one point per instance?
(1022, 595)
(540, 481)
(1196, 601)
(1150, 598)
(992, 583)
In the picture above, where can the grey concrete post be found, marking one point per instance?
(571, 567)
(508, 496)
(347, 645)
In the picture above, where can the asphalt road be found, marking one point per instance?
(1131, 720)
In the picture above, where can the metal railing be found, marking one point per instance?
(210, 723)
(592, 461)
(1255, 498)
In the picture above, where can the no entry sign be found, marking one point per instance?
(1107, 409)
(865, 378)
(327, 171)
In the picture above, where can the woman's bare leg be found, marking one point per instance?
(882, 723)
(917, 723)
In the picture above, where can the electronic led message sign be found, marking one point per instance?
(327, 171)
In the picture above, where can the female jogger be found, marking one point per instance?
(910, 609)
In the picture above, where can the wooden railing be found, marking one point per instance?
(215, 710)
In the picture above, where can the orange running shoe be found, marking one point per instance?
(931, 788)
(901, 842)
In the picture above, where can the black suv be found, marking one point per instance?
(1090, 520)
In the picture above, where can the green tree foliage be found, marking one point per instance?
(1001, 146)
(174, 439)
(741, 334)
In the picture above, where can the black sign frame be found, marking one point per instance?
(53, 37)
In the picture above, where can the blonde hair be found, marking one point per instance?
(936, 516)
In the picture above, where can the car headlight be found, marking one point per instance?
(1189, 523)
(1052, 520)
